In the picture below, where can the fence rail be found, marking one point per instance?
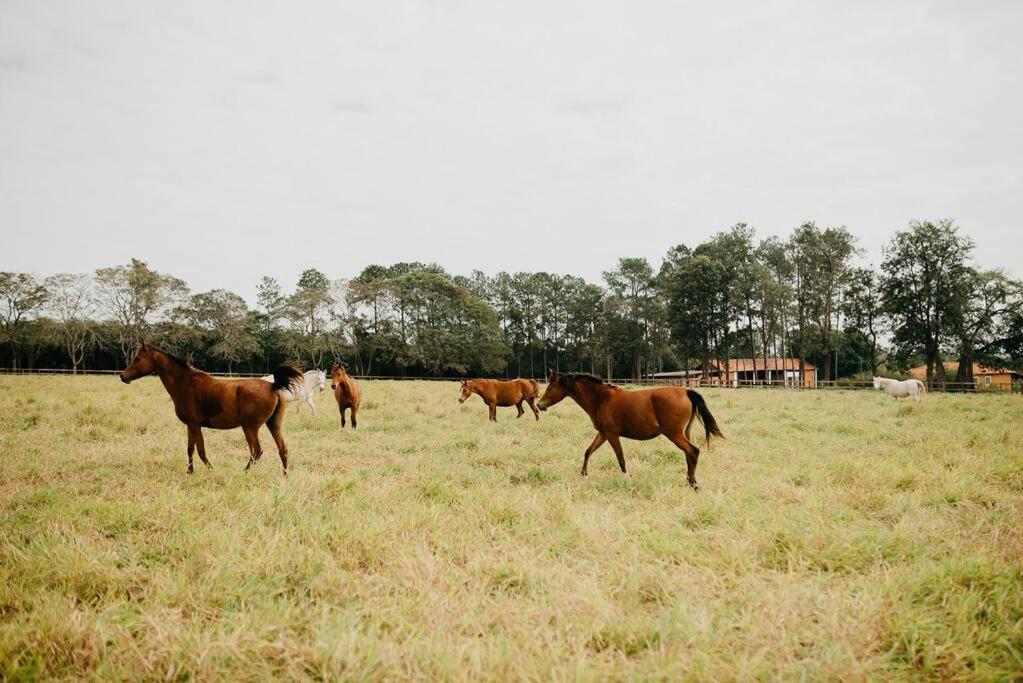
(953, 387)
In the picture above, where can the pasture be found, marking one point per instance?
(837, 535)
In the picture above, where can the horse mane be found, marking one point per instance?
(571, 378)
(177, 360)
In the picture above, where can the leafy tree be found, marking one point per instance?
(308, 310)
(987, 307)
(633, 310)
(777, 296)
(925, 272)
(272, 306)
(230, 334)
(864, 311)
(133, 296)
(694, 284)
(824, 259)
(70, 302)
(20, 295)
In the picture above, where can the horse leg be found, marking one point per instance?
(692, 455)
(493, 411)
(200, 446)
(616, 444)
(312, 404)
(532, 404)
(598, 441)
(342, 409)
(282, 448)
(255, 450)
(191, 449)
(519, 407)
(355, 419)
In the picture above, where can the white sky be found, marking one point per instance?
(224, 141)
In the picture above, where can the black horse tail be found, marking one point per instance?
(710, 425)
(286, 375)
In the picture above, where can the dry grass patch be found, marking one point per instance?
(837, 536)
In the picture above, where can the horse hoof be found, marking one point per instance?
(190, 471)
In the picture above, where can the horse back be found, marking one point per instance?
(646, 413)
(229, 403)
(509, 392)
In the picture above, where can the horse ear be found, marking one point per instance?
(551, 373)
(142, 345)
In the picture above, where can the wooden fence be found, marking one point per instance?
(695, 383)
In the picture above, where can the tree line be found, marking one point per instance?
(805, 296)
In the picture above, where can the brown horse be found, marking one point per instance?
(640, 415)
(508, 393)
(203, 401)
(346, 392)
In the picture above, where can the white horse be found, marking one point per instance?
(302, 390)
(901, 388)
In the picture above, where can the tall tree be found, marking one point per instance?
(987, 306)
(308, 310)
(632, 286)
(831, 251)
(729, 251)
(925, 268)
(272, 306)
(774, 254)
(133, 296)
(224, 317)
(20, 295)
(694, 286)
(70, 302)
(864, 310)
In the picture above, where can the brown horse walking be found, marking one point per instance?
(200, 401)
(639, 415)
(346, 392)
(507, 393)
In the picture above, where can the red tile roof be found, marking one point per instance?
(952, 367)
(748, 364)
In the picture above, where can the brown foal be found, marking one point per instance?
(641, 415)
(346, 392)
(496, 393)
(200, 401)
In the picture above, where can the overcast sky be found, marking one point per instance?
(224, 141)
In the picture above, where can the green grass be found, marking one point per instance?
(837, 535)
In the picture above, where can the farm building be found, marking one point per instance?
(780, 371)
(983, 376)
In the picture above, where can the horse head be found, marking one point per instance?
(337, 373)
(555, 392)
(144, 363)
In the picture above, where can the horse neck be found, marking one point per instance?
(176, 379)
(589, 396)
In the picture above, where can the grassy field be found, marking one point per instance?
(837, 535)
